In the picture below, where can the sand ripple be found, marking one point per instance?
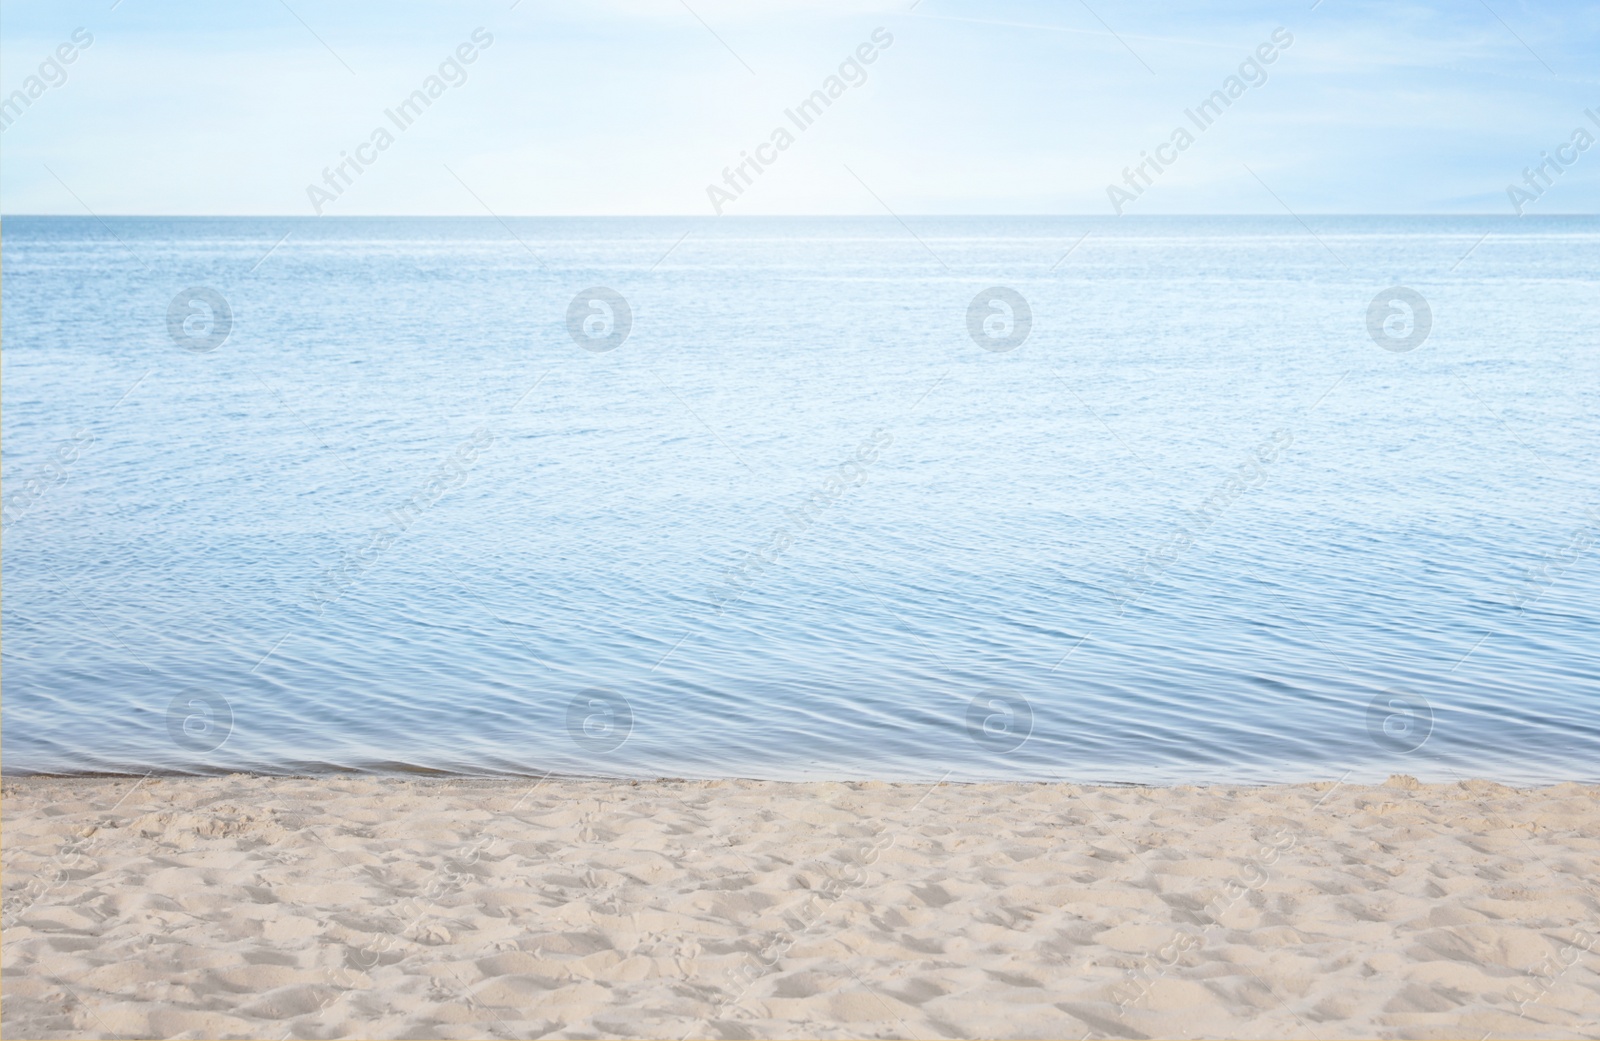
(251, 907)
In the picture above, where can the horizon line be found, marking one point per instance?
(756, 216)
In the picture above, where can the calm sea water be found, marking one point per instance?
(1206, 522)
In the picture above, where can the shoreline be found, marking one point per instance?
(357, 905)
(1376, 777)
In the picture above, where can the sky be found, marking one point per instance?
(620, 107)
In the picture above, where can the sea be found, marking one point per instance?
(1144, 500)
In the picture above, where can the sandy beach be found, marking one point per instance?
(379, 907)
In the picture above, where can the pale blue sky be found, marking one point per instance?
(636, 106)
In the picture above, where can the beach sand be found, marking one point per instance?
(381, 907)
